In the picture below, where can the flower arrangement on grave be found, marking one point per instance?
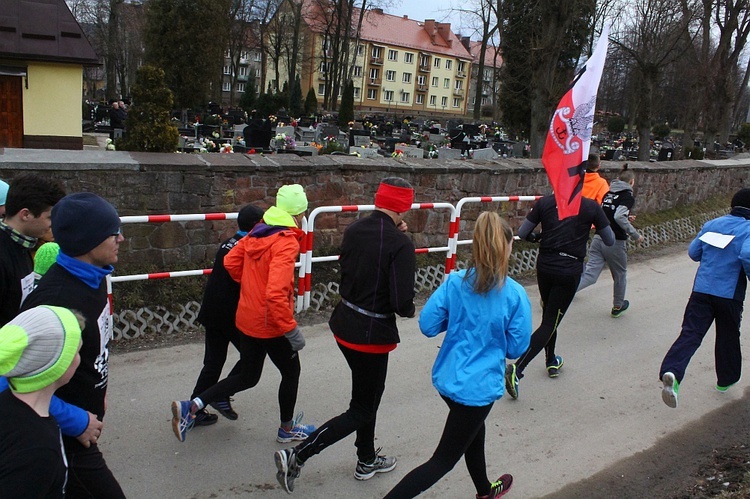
(207, 145)
(331, 144)
(294, 122)
(397, 154)
(241, 140)
(213, 120)
(110, 145)
(433, 152)
(272, 118)
(226, 148)
(284, 141)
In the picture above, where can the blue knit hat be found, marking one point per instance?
(82, 221)
(3, 192)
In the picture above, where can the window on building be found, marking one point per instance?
(324, 67)
(356, 92)
(436, 63)
(321, 88)
(240, 87)
(459, 84)
(419, 99)
(433, 100)
(473, 100)
(460, 66)
(227, 70)
(406, 78)
(244, 55)
(360, 49)
(388, 95)
(408, 58)
(226, 86)
(420, 80)
(444, 101)
(456, 102)
(434, 81)
(377, 52)
(448, 64)
(257, 72)
(227, 54)
(392, 55)
(374, 73)
(372, 93)
(358, 71)
(405, 97)
(390, 75)
(243, 70)
(256, 57)
(446, 83)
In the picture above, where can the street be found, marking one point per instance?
(605, 405)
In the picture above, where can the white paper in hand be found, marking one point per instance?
(717, 240)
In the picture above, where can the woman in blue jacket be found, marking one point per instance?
(486, 317)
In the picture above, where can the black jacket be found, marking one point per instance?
(377, 274)
(222, 293)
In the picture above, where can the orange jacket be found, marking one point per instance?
(594, 187)
(264, 267)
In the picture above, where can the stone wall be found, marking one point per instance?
(144, 183)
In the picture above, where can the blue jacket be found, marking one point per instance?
(723, 272)
(481, 332)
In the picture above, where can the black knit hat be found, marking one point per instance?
(249, 216)
(81, 221)
(741, 198)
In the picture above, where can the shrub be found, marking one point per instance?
(661, 131)
(148, 125)
(615, 125)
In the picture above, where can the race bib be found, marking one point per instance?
(27, 286)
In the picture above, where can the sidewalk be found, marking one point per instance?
(606, 405)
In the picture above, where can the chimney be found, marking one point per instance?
(444, 29)
(378, 11)
(406, 17)
(466, 42)
(429, 27)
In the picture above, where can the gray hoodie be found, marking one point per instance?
(618, 191)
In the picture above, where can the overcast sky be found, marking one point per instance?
(427, 9)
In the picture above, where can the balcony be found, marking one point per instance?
(459, 92)
(424, 68)
(374, 81)
(421, 88)
(242, 77)
(322, 77)
(460, 74)
(376, 61)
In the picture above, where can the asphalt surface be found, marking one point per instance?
(605, 406)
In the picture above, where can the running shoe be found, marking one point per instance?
(501, 486)
(298, 431)
(553, 368)
(224, 407)
(205, 418)
(288, 468)
(618, 311)
(670, 389)
(182, 420)
(380, 464)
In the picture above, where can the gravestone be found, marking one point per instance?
(412, 152)
(518, 149)
(326, 130)
(487, 153)
(448, 153)
(286, 130)
(365, 152)
(359, 138)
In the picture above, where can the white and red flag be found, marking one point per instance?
(566, 150)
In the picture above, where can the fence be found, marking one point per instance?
(133, 323)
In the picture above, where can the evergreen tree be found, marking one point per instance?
(149, 127)
(311, 102)
(247, 101)
(346, 110)
(187, 39)
(295, 100)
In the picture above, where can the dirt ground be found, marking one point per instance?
(707, 459)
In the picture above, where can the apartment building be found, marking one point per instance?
(245, 75)
(400, 65)
(493, 61)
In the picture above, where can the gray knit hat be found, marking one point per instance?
(38, 346)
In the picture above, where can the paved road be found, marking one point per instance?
(605, 405)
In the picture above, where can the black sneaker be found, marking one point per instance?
(618, 311)
(288, 468)
(380, 464)
(553, 368)
(225, 408)
(205, 418)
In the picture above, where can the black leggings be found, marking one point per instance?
(252, 356)
(557, 292)
(369, 371)
(463, 435)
